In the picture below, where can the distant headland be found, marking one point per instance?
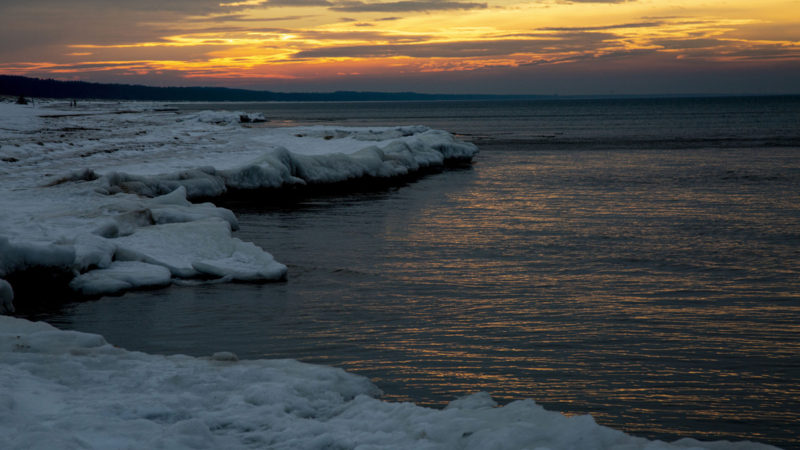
(18, 86)
(27, 87)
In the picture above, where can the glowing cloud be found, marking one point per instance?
(323, 42)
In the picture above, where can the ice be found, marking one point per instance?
(85, 189)
(190, 249)
(121, 276)
(6, 297)
(18, 256)
(71, 390)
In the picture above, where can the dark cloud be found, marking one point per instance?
(222, 18)
(677, 44)
(231, 31)
(581, 37)
(273, 3)
(361, 36)
(297, 3)
(243, 18)
(465, 49)
(44, 28)
(405, 6)
(767, 52)
(605, 27)
(95, 7)
(595, 1)
(44, 34)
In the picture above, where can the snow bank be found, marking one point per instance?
(93, 190)
(71, 390)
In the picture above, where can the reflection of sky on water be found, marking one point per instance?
(656, 290)
(627, 285)
(634, 286)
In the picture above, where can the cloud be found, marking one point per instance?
(275, 3)
(242, 18)
(605, 27)
(298, 3)
(405, 6)
(463, 49)
(594, 1)
(93, 7)
(319, 35)
(681, 44)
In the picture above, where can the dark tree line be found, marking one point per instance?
(18, 86)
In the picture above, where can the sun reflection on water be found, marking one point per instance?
(630, 298)
(649, 289)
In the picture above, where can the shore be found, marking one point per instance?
(104, 197)
(107, 198)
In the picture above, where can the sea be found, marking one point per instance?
(633, 259)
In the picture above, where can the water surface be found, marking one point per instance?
(636, 260)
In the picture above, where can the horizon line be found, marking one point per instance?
(420, 95)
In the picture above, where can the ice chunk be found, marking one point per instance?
(203, 182)
(121, 276)
(225, 356)
(228, 117)
(474, 401)
(190, 249)
(92, 251)
(247, 262)
(22, 336)
(16, 256)
(272, 169)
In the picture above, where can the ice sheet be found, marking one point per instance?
(84, 188)
(71, 390)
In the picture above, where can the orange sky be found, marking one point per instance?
(496, 46)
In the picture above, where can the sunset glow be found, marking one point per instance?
(394, 45)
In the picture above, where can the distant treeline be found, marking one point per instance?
(34, 87)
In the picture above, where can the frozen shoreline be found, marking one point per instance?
(106, 195)
(72, 390)
(104, 191)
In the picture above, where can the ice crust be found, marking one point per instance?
(95, 189)
(72, 390)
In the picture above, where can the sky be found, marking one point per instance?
(564, 47)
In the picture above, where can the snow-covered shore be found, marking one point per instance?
(103, 192)
(71, 390)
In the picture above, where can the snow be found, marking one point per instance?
(71, 390)
(202, 247)
(121, 276)
(84, 190)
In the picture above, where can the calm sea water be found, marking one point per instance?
(638, 260)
